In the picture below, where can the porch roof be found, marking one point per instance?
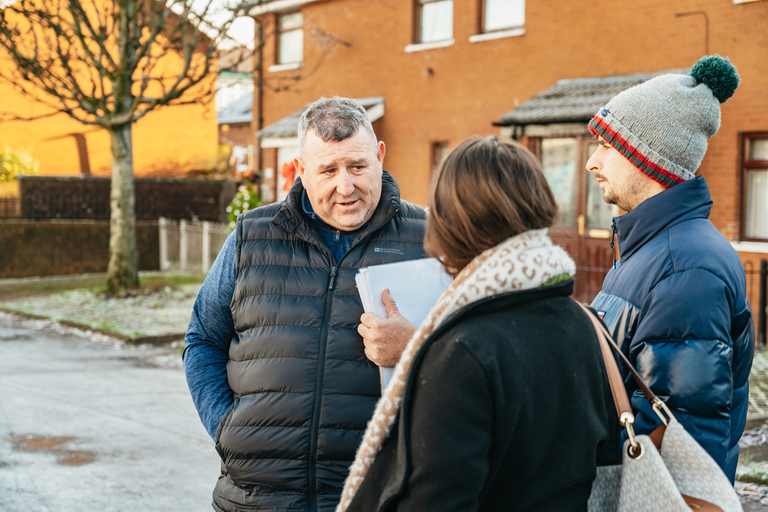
(574, 100)
(288, 127)
(239, 111)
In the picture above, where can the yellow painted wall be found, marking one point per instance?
(170, 141)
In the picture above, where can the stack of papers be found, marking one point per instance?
(415, 285)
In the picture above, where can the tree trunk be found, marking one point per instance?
(123, 269)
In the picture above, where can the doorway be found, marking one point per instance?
(584, 226)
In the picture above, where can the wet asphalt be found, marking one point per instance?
(89, 424)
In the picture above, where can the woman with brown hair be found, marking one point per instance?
(500, 400)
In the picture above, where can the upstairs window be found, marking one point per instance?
(440, 150)
(501, 14)
(290, 38)
(434, 21)
(755, 176)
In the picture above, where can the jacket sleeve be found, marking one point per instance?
(449, 432)
(206, 344)
(683, 350)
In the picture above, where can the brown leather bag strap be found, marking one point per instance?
(600, 328)
(618, 391)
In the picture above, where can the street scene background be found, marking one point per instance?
(115, 201)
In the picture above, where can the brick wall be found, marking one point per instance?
(44, 248)
(448, 94)
(237, 133)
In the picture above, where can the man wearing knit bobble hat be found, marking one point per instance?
(675, 301)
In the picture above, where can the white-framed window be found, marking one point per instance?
(497, 15)
(434, 21)
(290, 38)
(755, 182)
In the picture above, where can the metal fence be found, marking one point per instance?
(589, 283)
(189, 245)
(757, 291)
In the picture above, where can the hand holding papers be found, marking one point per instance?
(385, 337)
(414, 285)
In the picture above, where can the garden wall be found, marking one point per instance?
(46, 197)
(57, 247)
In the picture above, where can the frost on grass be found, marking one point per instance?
(44, 324)
(155, 313)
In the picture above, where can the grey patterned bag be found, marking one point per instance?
(679, 476)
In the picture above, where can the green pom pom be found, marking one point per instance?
(718, 74)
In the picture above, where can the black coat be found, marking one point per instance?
(507, 407)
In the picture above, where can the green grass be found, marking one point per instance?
(752, 472)
(107, 326)
(43, 286)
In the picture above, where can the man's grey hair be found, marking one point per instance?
(333, 119)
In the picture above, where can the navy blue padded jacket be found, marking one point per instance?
(676, 304)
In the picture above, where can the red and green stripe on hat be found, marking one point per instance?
(600, 127)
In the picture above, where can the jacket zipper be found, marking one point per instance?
(613, 237)
(313, 432)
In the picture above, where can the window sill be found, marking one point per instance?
(513, 32)
(420, 47)
(284, 67)
(756, 247)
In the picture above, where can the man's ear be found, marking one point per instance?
(299, 166)
(382, 152)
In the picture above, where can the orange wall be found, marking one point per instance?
(169, 141)
(448, 94)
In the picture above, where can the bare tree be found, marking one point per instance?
(109, 63)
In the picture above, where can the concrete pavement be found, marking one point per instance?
(89, 423)
(92, 424)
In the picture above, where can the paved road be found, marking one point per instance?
(88, 424)
(93, 425)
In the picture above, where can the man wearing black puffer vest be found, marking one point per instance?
(676, 298)
(273, 358)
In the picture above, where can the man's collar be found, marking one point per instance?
(306, 205)
(687, 200)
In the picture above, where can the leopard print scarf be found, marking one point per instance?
(521, 262)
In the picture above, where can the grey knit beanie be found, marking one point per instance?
(662, 126)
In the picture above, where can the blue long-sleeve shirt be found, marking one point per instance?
(211, 327)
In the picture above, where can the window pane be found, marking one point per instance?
(757, 203)
(558, 157)
(504, 14)
(758, 149)
(599, 213)
(291, 46)
(290, 21)
(436, 21)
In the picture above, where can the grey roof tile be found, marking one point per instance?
(239, 111)
(574, 100)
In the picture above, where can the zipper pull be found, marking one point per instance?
(338, 235)
(613, 236)
(333, 278)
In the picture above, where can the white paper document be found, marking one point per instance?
(415, 285)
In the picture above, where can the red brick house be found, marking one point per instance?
(443, 70)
